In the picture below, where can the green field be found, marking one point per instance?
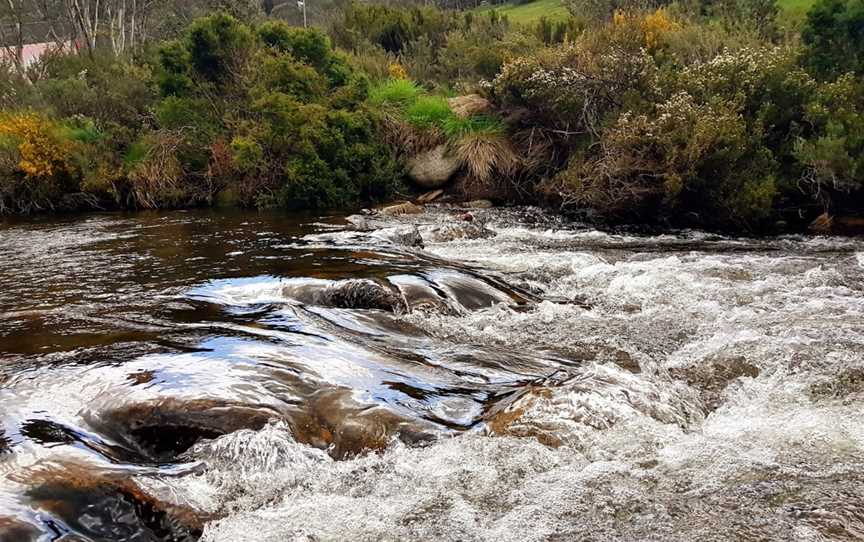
(791, 10)
(794, 10)
(528, 13)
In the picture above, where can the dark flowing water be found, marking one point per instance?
(248, 376)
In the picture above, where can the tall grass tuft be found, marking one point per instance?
(394, 92)
(428, 112)
(456, 127)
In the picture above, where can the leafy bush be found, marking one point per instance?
(570, 88)
(683, 157)
(833, 156)
(834, 36)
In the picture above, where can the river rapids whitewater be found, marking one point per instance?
(228, 376)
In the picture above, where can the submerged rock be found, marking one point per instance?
(433, 168)
(163, 429)
(105, 506)
(460, 230)
(822, 224)
(841, 385)
(849, 225)
(359, 294)
(338, 423)
(14, 530)
(408, 236)
(712, 379)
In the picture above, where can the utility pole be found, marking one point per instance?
(301, 4)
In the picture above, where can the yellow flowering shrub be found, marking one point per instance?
(656, 26)
(397, 71)
(41, 152)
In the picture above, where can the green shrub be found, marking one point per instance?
(834, 37)
(218, 47)
(833, 156)
(682, 158)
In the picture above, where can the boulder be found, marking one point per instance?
(433, 168)
(468, 106)
(360, 294)
(460, 230)
(849, 225)
(408, 236)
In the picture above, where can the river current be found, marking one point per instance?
(497, 375)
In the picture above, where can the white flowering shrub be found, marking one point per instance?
(572, 87)
(682, 157)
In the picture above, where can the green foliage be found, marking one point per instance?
(428, 112)
(394, 92)
(391, 28)
(457, 127)
(833, 156)
(104, 88)
(437, 48)
(834, 38)
(683, 157)
(218, 47)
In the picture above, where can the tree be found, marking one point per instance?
(834, 37)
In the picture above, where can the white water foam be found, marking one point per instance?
(718, 397)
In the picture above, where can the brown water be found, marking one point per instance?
(225, 376)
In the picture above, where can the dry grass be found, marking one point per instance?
(484, 155)
(408, 140)
(157, 180)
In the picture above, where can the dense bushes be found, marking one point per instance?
(437, 48)
(684, 113)
(657, 130)
(834, 37)
(270, 115)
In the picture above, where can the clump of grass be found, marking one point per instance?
(456, 127)
(394, 92)
(485, 154)
(428, 112)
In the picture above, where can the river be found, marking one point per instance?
(498, 376)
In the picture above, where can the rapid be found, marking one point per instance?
(489, 375)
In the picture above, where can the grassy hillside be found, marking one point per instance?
(527, 13)
(792, 10)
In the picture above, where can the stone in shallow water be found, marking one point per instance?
(105, 505)
(163, 429)
(17, 531)
(430, 196)
(360, 294)
(712, 379)
(334, 421)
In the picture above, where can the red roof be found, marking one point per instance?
(34, 51)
